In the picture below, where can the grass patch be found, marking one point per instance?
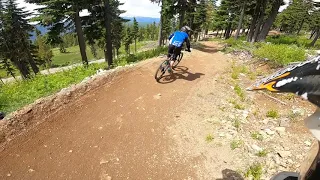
(73, 56)
(300, 41)
(289, 96)
(262, 153)
(236, 45)
(17, 94)
(272, 113)
(236, 105)
(236, 144)
(280, 54)
(294, 116)
(254, 171)
(237, 124)
(239, 92)
(235, 75)
(209, 138)
(256, 136)
(239, 106)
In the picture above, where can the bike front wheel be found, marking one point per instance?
(161, 70)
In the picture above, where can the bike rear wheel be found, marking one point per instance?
(161, 70)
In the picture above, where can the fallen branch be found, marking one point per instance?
(283, 103)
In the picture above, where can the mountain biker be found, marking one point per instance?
(176, 41)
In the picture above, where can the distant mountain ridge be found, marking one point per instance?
(144, 20)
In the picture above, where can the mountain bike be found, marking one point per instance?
(165, 65)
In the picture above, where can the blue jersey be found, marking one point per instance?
(178, 38)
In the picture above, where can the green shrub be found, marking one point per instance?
(255, 171)
(272, 114)
(280, 54)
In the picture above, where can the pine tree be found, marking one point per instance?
(44, 50)
(61, 15)
(128, 40)
(18, 48)
(315, 22)
(135, 30)
(97, 27)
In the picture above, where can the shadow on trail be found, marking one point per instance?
(228, 174)
(205, 48)
(180, 72)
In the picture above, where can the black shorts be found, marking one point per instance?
(174, 50)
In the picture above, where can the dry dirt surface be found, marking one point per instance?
(194, 125)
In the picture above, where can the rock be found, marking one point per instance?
(285, 122)
(85, 80)
(284, 154)
(158, 96)
(229, 136)
(221, 134)
(308, 143)
(290, 161)
(256, 148)
(298, 111)
(2, 115)
(31, 170)
(231, 116)
(103, 161)
(280, 130)
(276, 159)
(245, 114)
(269, 131)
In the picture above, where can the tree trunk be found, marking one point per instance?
(228, 31)
(33, 65)
(107, 20)
(217, 33)
(260, 22)
(300, 27)
(135, 45)
(117, 51)
(82, 44)
(241, 20)
(254, 21)
(182, 11)
(268, 24)
(315, 38)
(312, 34)
(22, 68)
(160, 27)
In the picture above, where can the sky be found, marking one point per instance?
(136, 8)
(142, 8)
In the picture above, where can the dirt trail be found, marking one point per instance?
(119, 131)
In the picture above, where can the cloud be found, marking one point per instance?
(140, 8)
(132, 7)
